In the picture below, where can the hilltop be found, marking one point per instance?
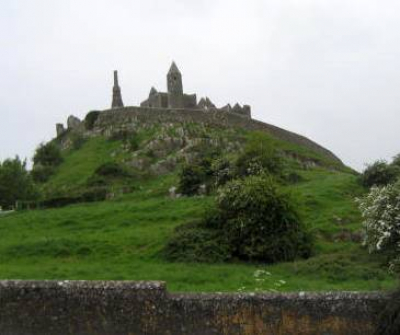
(115, 184)
(122, 237)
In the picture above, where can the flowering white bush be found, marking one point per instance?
(381, 213)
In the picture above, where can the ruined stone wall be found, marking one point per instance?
(128, 117)
(135, 308)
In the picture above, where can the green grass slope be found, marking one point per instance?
(122, 238)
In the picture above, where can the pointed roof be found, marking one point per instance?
(153, 91)
(237, 107)
(173, 69)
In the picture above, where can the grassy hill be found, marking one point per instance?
(122, 238)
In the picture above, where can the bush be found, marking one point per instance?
(90, 119)
(112, 169)
(381, 212)
(196, 244)
(15, 183)
(251, 220)
(259, 156)
(87, 195)
(48, 155)
(379, 173)
(261, 221)
(205, 170)
(191, 178)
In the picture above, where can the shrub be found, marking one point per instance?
(261, 221)
(196, 244)
(259, 156)
(205, 170)
(191, 178)
(48, 155)
(90, 119)
(85, 195)
(379, 173)
(251, 220)
(380, 209)
(97, 181)
(112, 169)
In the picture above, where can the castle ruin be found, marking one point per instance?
(175, 98)
(175, 107)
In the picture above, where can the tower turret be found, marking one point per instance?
(175, 87)
(117, 98)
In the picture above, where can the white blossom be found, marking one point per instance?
(380, 209)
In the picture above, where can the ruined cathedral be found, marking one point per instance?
(175, 98)
(172, 107)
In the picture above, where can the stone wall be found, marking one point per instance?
(128, 117)
(135, 308)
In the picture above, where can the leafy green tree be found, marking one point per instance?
(379, 173)
(396, 161)
(15, 183)
(48, 155)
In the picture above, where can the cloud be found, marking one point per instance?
(328, 70)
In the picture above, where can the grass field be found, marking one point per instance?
(122, 239)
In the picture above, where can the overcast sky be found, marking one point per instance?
(329, 70)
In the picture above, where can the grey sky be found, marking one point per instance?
(329, 70)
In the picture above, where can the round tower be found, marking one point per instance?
(117, 97)
(175, 87)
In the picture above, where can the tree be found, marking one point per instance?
(15, 183)
(380, 209)
(396, 161)
(48, 155)
(379, 173)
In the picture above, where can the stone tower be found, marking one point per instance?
(175, 87)
(117, 98)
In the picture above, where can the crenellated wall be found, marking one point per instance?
(129, 117)
(136, 308)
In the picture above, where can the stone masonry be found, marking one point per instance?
(117, 97)
(175, 98)
(177, 107)
(146, 308)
